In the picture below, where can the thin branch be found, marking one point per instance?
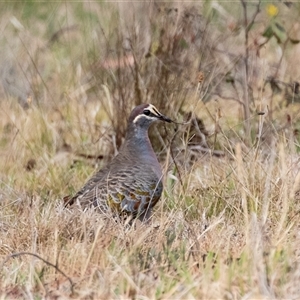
(254, 16)
(174, 160)
(43, 260)
(247, 26)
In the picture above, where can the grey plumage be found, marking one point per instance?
(132, 182)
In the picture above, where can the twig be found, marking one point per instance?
(174, 160)
(43, 260)
(247, 27)
(217, 153)
(60, 32)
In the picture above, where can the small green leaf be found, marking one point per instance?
(279, 32)
(268, 33)
(280, 27)
(183, 44)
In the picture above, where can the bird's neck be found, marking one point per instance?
(137, 146)
(137, 142)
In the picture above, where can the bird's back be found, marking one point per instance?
(123, 186)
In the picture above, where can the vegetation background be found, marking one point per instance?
(227, 226)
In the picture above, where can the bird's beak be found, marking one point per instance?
(164, 118)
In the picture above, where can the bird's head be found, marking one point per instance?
(146, 114)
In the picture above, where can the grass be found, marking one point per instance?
(227, 226)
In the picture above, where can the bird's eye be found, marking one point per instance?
(147, 112)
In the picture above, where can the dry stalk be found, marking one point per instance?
(242, 186)
(72, 284)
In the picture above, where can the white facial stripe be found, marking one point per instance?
(142, 116)
(153, 110)
(156, 111)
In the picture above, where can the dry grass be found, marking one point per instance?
(233, 225)
(227, 227)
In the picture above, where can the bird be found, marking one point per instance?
(131, 184)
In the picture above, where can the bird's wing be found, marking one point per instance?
(86, 191)
(121, 192)
(135, 195)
